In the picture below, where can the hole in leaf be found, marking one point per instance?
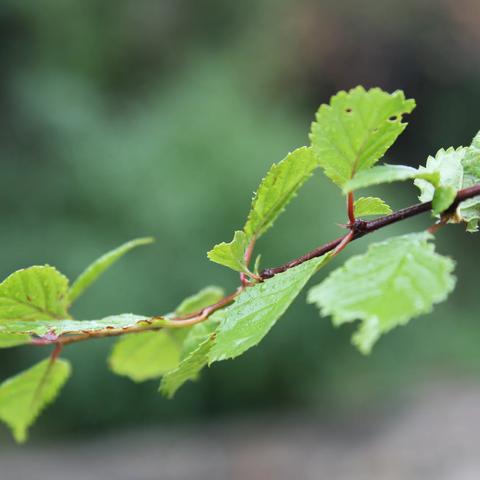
(348, 110)
(393, 118)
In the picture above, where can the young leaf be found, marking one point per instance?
(396, 280)
(231, 254)
(34, 293)
(205, 297)
(277, 189)
(149, 355)
(356, 129)
(448, 164)
(23, 397)
(8, 340)
(95, 269)
(62, 327)
(257, 309)
(469, 210)
(188, 369)
(365, 206)
(145, 355)
(388, 174)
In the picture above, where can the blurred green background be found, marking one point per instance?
(128, 118)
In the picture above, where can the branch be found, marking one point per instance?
(361, 228)
(357, 230)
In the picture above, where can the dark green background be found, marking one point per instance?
(124, 118)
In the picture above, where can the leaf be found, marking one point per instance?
(395, 281)
(95, 269)
(387, 174)
(256, 310)
(23, 397)
(8, 340)
(231, 254)
(448, 164)
(277, 189)
(205, 297)
(469, 210)
(38, 292)
(356, 129)
(365, 206)
(62, 327)
(147, 355)
(188, 369)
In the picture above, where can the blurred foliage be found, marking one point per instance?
(128, 118)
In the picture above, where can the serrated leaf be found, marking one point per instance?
(231, 254)
(387, 174)
(62, 327)
(23, 397)
(8, 340)
(205, 297)
(95, 269)
(34, 293)
(356, 129)
(188, 369)
(147, 355)
(144, 356)
(366, 206)
(257, 309)
(277, 189)
(395, 281)
(448, 164)
(469, 210)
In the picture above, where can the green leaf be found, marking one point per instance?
(395, 281)
(231, 254)
(95, 269)
(8, 340)
(205, 297)
(365, 206)
(448, 164)
(147, 355)
(34, 293)
(277, 189)
(62, 327)
(356, 129)
(188, 369)
(23, 397)
(469, 210)
(387, 174)
(254, 312)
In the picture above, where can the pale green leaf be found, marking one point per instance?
(365, 206)
(204, 298)
(188, 369)
(254, 312)
(277, 189)
(95, 269)
(34, 293)
(147, 355)
(231, 254)
(469, 210)
(356, 129)
(387, 174)
(61, 327)
(8, 340)
(23, 397)
(395, 281)
(448, 164)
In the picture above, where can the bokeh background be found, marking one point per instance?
(122, 118)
